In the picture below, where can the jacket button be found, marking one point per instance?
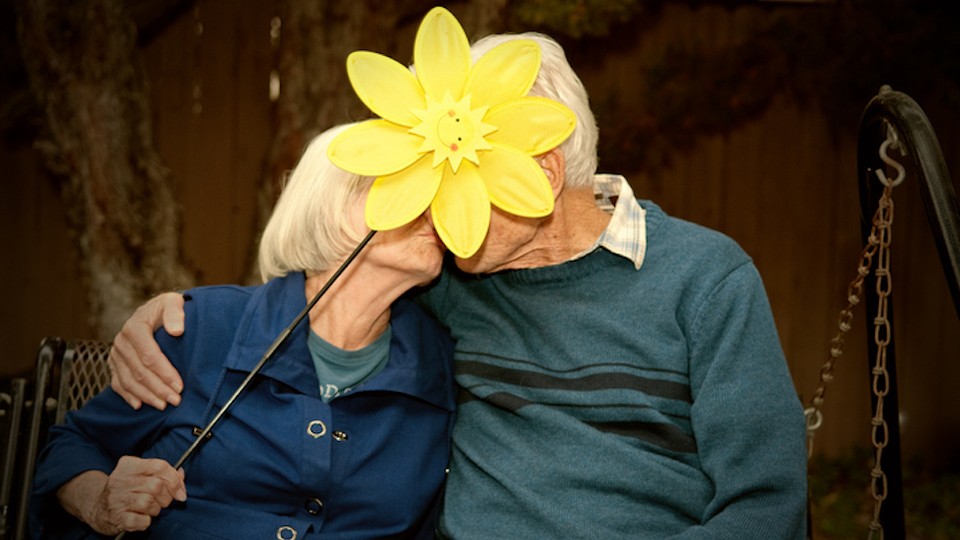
(313, 506)
(316, 429)
(286, 533)
(340, 436)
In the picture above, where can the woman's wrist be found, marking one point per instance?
(81, 498)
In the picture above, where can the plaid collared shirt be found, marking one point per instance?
(626, 234)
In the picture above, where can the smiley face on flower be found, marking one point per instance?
(453, 137)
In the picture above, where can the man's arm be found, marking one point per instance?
(746, 416)
(140, 372)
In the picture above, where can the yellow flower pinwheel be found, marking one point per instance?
(455, 137)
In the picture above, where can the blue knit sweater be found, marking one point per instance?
(601, 401)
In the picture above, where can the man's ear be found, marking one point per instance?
(554, 165)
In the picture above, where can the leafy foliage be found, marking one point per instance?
(833, 56)
(575, 18)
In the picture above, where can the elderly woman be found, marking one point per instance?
(344, 433)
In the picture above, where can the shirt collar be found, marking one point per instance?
(418, 365)
(626, 234)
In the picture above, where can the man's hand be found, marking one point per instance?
(127, 500)
(140, 372)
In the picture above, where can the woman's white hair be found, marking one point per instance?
(309, 229)
(559, 82)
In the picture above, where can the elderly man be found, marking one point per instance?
(620, 373)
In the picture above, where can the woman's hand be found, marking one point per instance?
(126, 500)
(140, 372)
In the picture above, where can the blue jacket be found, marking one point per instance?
(281, 463)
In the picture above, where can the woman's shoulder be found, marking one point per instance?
(218, 300)
(215, 309)
(409, 319)
(406, 310)
(214, 294)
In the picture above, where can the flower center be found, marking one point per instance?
(455, 130)
(452, 131)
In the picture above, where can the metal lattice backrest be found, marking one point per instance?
(84, 373)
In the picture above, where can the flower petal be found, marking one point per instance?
(400, 198)
(461, 210)
(505, 72)
(441, 55)
(516, 183)
(374, 148)
(532, 124)
(386, 86)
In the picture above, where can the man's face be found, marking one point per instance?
(507, 246)
(518, 242)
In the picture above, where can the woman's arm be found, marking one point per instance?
(84, 468)
(127, 499)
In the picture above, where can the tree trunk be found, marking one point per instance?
(84, 71)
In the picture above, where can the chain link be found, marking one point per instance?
(878, 245)
(813, 413)
(880, 434)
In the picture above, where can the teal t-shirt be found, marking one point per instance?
(339, 370)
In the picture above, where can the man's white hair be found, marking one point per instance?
(559, 82)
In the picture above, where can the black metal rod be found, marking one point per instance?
(49, 350)
(201, 436)
(18, 398)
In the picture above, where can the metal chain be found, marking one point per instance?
(883, 221)
(813, 413)
(878, 244)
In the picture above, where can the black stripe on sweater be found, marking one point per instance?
(585, 383)
(665, 436)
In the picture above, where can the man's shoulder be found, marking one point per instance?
(687, 239)
(682, 244)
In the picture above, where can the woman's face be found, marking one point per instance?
(413, 249)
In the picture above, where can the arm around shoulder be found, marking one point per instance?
(140, 372)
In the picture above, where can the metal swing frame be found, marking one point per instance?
(918, 141)
(893, 119)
